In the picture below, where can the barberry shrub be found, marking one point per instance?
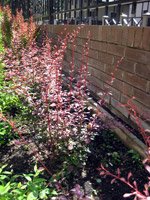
(17, 33)
(36, 72)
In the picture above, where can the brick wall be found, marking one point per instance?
(108, 45)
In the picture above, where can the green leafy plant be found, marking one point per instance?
(1, 75)
(7, 27)
(135, 157)
(24, 187)
(1, 40)
(116, 158)
(5, 133)
(9, 103)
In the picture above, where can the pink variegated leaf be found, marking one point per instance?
(129, 194)
(123, 179)
(118, 172)
(113, 180)
(135, 198)
(135, 184)
(129, 175)
(147, 167)
(102, 173)
(141, 196)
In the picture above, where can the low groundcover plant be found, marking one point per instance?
(24, 187)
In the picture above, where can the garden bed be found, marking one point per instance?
(106, 148)
(52, 143)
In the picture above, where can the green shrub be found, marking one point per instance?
(10, 105)
(24, 187)
(5, 133)
(6, 30)
(1, 39)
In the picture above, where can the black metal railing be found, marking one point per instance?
(72, 11)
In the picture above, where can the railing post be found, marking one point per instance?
(55, 21)
(146, 19)
(90, 20)
(122, 18)
(104, 18)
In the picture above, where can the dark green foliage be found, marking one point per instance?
(6, 2)
(6, 133)
(10, 105)
(1, 41)
(6, 30)
(9, 102)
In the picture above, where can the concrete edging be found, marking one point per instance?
(124, 134)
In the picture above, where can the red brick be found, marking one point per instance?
(96, 64)
(127, 65)
(93, 89)
(131, 36)
(114, 92)
(113, 34)
(143, 70)
(78, 56)
(96, 82)
(127, 89)
(139, 56)
(56, 29)
(83, 32)
(135, 81)
(110, 37)
(110, 69)
(93, 54)
(116, 50)
(125, 35)
(105, 31)
(118, 85)
(99, 93)
(99, 74)
(79, 49)
(69, 45)
(100, 33)
(142, 97)
(142, 110)
(146, 38)
(138, 37)
(106, 58)
(93, 72)
(119, 74)
(100, 46)
(77, 63)
(117, 106)
(67, 57)
(94, 32)
(66, 67)
(80, 41)
(65, 64)
(124, 99)
(50, 28)
(148, 87)
(119, 35)
(116, 34)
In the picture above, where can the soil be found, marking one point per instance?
(106, 148)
